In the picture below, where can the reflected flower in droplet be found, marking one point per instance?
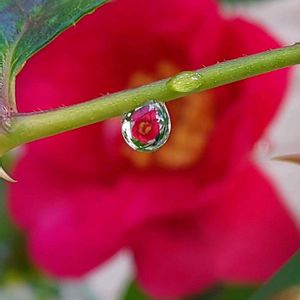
(147, 128)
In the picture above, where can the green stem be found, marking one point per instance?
(30, 127)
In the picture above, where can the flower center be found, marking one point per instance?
(193, 120)
(144, 127)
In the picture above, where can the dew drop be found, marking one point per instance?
(147, 128)
(185, 82)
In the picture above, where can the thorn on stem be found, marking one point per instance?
(5, 176)
(293, 158)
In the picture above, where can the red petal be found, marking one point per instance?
(74, 223)
(174, 260)
(71, 239)
(246, 108)
(257, 235)
(245, 236)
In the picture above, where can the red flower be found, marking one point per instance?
(146, 126)
(198, 211)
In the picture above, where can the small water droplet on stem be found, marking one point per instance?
(185, 82)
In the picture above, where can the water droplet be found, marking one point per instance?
(185, 82)
(147, 128)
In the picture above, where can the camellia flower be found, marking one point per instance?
(194, 213)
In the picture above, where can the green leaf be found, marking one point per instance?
(25, 27)
(237, 292)
(226, 292)
(134, 293)
(219, 292)
(12, 248)
(286, 281)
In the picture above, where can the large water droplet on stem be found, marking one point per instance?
(147, 128)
